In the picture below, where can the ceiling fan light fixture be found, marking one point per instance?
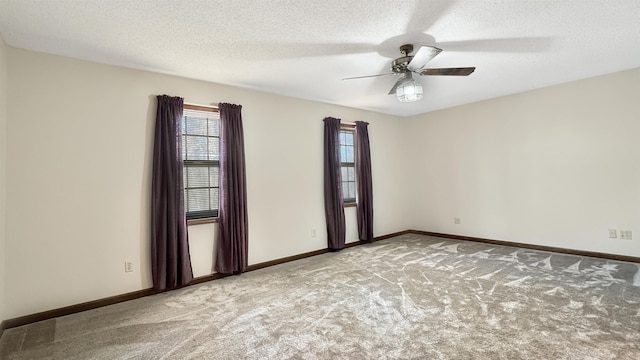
(409, 91)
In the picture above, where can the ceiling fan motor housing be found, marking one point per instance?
(399, 65)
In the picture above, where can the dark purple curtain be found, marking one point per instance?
(364, 183)
(333, 203)
(232, 248)
(170, 261)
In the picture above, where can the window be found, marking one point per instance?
(201, 159)
(348, 164)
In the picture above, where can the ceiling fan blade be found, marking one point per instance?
(400, 81)
(367, 76)
(502, 45)
(465, 71)
(422, 57)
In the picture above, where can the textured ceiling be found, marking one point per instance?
(304, 48)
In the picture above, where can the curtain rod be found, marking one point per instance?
(209, 106)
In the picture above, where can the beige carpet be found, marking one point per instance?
(410, 297)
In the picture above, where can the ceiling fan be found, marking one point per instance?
(406, 89)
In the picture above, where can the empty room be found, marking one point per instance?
(319, 179)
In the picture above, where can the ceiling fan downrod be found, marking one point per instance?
(399, 65)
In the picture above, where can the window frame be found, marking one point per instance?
(207, 216)
(351, 201)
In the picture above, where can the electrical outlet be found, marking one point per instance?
(613, 233)
(128, 266)
(456, 221)
(314, 232)
(625, 234)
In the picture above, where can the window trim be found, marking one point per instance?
(351, 202)
(208, 216)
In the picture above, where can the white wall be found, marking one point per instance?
(3, 141)
(78, 167)
(557, 166)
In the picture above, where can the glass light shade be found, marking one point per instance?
(409, 91)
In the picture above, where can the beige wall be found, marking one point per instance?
(557, 166)
(3, 141)
(78, 167)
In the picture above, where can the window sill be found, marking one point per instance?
(202, 221)
(350, 205)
